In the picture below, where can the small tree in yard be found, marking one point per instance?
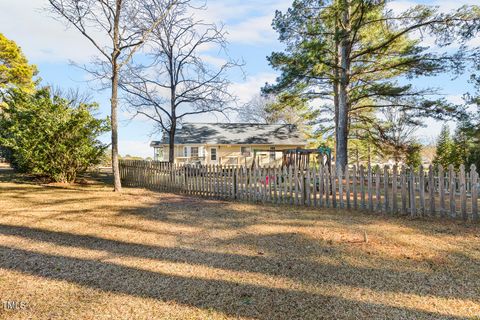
(414, 157)
(51, 135)
(444, 148)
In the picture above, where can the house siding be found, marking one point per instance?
(230, 154)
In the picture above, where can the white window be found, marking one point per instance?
(185, 152)
(194, 152)
(272, 153)
(213, 154)
(245, 151)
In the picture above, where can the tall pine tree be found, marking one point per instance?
(353, 52)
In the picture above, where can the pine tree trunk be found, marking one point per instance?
(336, 81)
(343, 100)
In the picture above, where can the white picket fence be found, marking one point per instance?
(390, 190)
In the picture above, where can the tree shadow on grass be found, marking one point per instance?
(276, 255)
(277, 258)
(231, 298)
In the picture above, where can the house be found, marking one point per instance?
(230, 143)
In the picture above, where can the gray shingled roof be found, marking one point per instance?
(236, 133)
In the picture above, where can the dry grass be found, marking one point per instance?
(82, 252)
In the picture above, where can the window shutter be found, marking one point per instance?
(201, 151)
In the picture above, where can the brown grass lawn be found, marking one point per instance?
(83, 252)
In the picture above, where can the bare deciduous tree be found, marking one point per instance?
(175, 80)
(257, 110)
(113, 28)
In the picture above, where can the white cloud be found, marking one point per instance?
(247, 21)
(214, 60)
(42, 38)
(247, 89)
(255, 30)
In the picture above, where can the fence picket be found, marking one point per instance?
(362, 187)
(370, 190)
(431, 190)
(347, 186)
(284, 185)
(421, 188)
(307, 188)
(411, 187)
(463, 193)
(452, 191)
(474, 192)
(340, 187)
(441, 187)
(385, 205)
(403, 186)
(378, 200)
(394, 190)
(354, 187)
(333, 186)
(314, 183)
(321, 184)
(327, 186)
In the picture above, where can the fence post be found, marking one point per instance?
(270, 197)
(314, 183)
(411, 187)
(354, 186)
(385, 188)
(333, 176)
(377, 189)
(306, 188)
(327, 188)
(362, 187)
(431, 190)
(394, 189)
(474, 192)
(463, 193)
(278, 184)
(421, 187)
(347, 186)
(453, 210)
(403, 186)
(369, 187)
(441, 190)
(235, 180)
(340, 187)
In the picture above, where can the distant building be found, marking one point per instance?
(230, 143)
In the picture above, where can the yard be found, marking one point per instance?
(83, 252)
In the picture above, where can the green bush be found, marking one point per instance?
(51, 134)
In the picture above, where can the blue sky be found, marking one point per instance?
(48, 44)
